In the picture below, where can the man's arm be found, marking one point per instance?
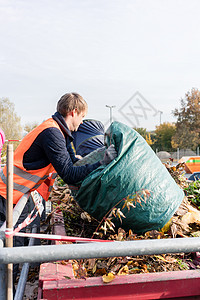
(54, 146)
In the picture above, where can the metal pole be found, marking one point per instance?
(160, 117)
(177, 154)
(99, 250)
(9, 217)
(24, 273)
(110, 107)
(160, 112)
(197, 151)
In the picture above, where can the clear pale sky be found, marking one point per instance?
(106, 50)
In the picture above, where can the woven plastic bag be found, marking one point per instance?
(136, 168)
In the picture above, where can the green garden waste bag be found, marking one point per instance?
(136, 168)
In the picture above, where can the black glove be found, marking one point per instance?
(109, 155)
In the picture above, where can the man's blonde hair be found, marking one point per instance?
(69, 102)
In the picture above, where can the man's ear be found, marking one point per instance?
(74, 111)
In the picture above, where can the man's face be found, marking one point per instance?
(77, 119)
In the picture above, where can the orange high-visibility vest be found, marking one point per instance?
(25, 181)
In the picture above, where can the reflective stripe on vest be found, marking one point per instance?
(54, 175)
(26, 175)
(46, 187)
(50, 188)
(19, 187)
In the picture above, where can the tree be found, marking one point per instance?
(142, 131)
(30, 126)
(188, 121)
(184, 138)
(9, 121)
(148, 136)
(164, 133)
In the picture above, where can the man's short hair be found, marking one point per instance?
(69, 102)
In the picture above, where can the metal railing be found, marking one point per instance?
(177, 154)
(81, 251)
(99, 250)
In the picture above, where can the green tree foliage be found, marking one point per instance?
(30, 126)
(9, 121)
(163, 135)
(188, 121)
(142, 131)
(148, 136)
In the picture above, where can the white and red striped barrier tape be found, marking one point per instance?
(37, 198)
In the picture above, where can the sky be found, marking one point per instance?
(139, 57)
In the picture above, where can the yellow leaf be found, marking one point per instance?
(75, 265)
(108, 278)
(166, 227)
(169, 260)
(94, 269)
(123, 271)
(160, 257)
(129, 262)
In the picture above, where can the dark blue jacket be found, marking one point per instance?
(51, 147)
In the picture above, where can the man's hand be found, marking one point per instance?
(109, 155)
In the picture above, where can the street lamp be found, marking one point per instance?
(161, 112)
(110, 107)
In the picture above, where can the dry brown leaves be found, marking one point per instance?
(118, 266)
(177, 174)
(184, 223)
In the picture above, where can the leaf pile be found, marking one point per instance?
(184, 223)
(118, 266)
(177, 173)
(77, 222)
